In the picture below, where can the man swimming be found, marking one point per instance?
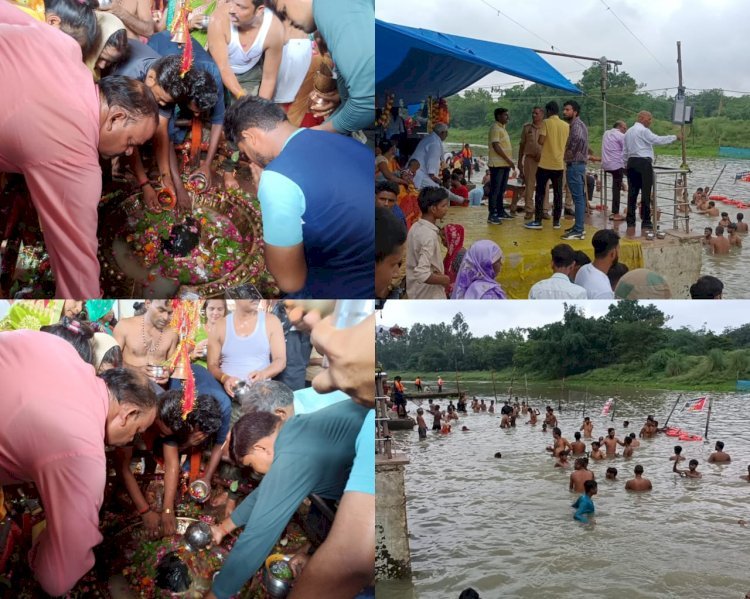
(578, 447)
(596, 452)
(628, 451)
(611, 473)
(677, 457)
(638, 483)
(579, 476)
(692, 471)
(719, 456)
(611, 443)
(587, 427)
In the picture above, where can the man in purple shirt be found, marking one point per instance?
(613, 163)
(576, 155)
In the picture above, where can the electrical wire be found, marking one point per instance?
(614, 14)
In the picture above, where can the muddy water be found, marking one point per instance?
(505, 527)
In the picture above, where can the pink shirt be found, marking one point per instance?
(49, 132)
(613, 145)
(54, 413)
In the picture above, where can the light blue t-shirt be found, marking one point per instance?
(282, 205)
(362, 476)
(309, 400)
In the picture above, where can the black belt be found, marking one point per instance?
(640, 158)
(575, 162)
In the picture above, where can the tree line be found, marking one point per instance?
(631, 335)
(717, 117)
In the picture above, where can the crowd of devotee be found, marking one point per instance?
(577, 454)
(201, 394)
(420, 246)
(272, 94)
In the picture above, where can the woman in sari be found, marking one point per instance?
(480, 267)
(383, 170)
(453, 239)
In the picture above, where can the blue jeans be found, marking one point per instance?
(205, 383)
(576, 174)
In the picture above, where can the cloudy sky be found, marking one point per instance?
(485, 318)
(713, 34)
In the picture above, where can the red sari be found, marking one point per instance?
(454, 240)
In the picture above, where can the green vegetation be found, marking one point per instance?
(629, 346)
(718, 119)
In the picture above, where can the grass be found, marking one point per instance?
(698, 378)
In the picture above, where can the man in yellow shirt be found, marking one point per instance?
(553, 138)
(500, 163)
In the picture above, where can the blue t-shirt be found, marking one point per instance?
(584, 506)
(399, 213)
(163, 44)
(318, 192)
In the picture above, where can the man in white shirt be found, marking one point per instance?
(593, 277)
(613, 163)
(429, 152)
(639, 154)
(558, 286)
(425, 275)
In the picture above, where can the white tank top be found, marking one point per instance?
(241, 61)
(295, 63)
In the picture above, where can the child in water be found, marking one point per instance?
(584, 504)
(421, 424)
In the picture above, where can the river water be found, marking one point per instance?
(505, 526)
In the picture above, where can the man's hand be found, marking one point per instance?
(168, 523)
(255, 377)
(351, 356)
(322, 105)
(299, 560)
(205, 170)
(149, 198)
(229, 384)
(184, 202)
(152, 524)
(217, 534)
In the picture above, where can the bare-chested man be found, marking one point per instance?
(578, 447)
(532, 416)
(734, 239)
(638, 483)
(746, 476)
(559, 443)
(628, 451)
(649, 428)
(611, 443)
(677, 457)
(596, 452)
(587, 427)
(710, 209)
(636, 442)
(550, 419)
(692, 471)
(135, 15)
(580, 475)
(719, 456)
(741, 224)
(719, 243)
(147, 340)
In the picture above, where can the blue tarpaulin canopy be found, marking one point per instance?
(416, 63)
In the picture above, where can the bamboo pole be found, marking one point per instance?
(614, 405)
(494, 387)
(708, 417)
(672, 411)
(510, 389)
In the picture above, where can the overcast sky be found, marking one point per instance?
(713, 33)
(485, 318)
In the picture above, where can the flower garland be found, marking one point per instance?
(185, 320)
(385, 115)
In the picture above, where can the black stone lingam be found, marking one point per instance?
(183, 238)
(172, 574)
